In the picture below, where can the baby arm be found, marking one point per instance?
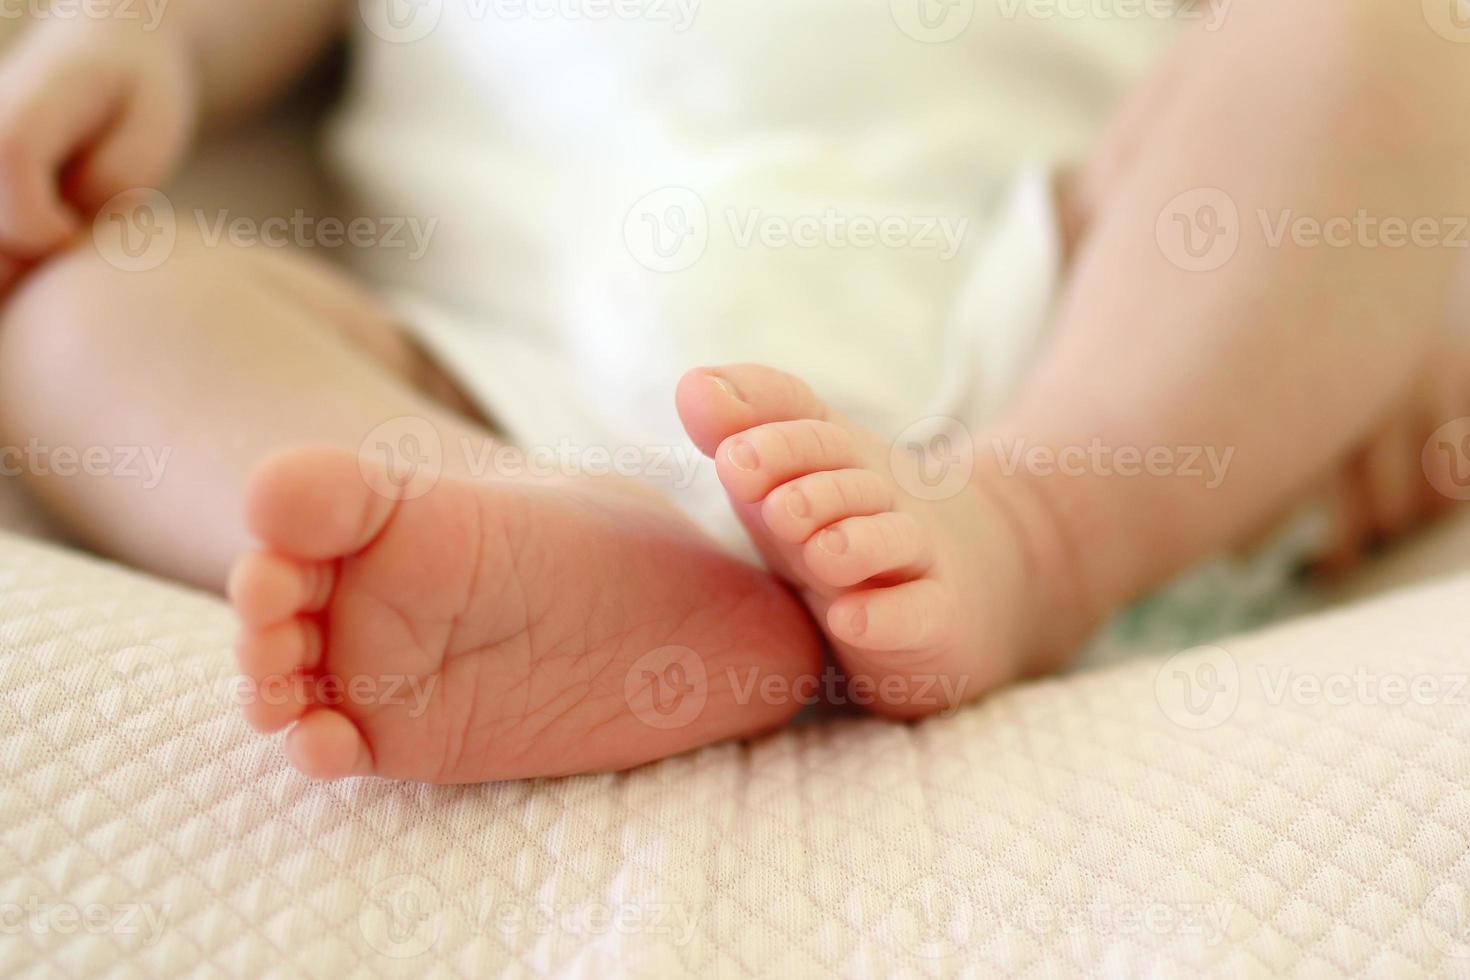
(90, 107)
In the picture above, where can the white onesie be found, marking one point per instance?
(858, 191)
(624, 189)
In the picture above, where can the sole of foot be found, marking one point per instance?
(486, 630)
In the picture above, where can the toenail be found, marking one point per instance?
(743, 456)
(725, 386)
(797, 505)
(858, 622)
(834, 541)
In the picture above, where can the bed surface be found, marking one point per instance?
(1177, 817)
(1200, 815)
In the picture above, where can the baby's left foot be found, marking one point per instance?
(927, 603)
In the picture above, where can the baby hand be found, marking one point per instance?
(88, 109)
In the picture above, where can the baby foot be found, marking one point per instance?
(932, 602)
(492, 630)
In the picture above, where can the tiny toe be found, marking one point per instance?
(714, 403)
(315, 504)
(325, 744)
(753, 463)
(860, 548)
(901, 617)
(266, 588)
(271, 660)
(797, 510)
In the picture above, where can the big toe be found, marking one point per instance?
(315, 504)
(715, 403)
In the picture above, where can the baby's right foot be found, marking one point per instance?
(493, 630)
(932, 602)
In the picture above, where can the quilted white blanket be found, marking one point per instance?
(1297, 802)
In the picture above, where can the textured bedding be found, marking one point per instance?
(1298, 801)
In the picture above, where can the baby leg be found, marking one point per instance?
(205, 366)
(1189, 395)
(1190, 321)
(468, 628)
